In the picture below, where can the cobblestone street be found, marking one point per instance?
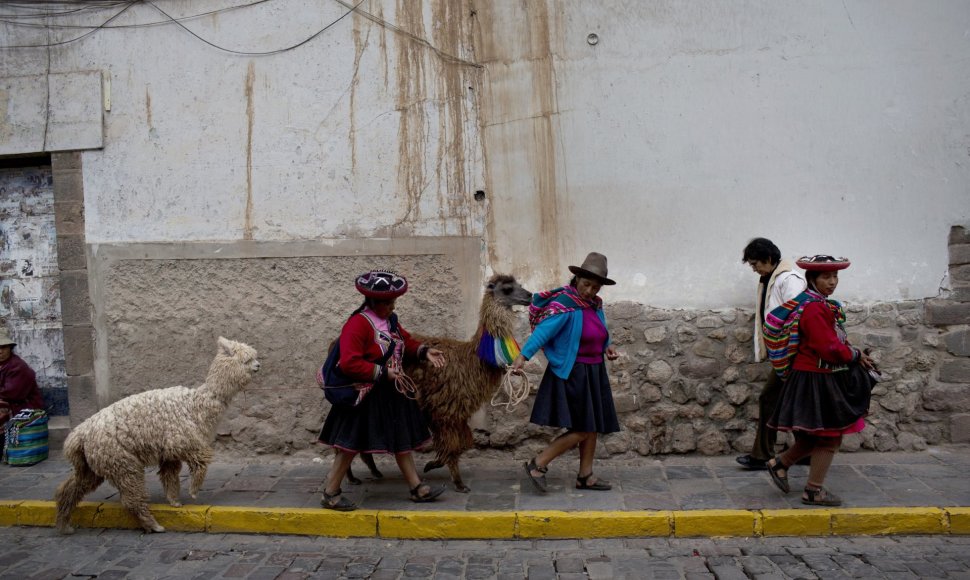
(39, 553)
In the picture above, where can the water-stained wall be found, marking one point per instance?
(453, 138)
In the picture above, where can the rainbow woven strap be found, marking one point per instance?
(497, 352)
(780, 329)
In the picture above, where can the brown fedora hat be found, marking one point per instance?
(594, 268)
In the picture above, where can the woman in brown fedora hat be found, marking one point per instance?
(827, 383)
(18, 383)
(569, 326)
(387, 420)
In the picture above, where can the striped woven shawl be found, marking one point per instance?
(780, 329)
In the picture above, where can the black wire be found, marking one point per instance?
(143, 25)
(277, 51)
(85, 35)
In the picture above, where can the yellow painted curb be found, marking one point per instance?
(8, 512)
(505, 525)
(959, 519)
(446, 525)
(188, 518)
(796, 522)
(613, 524)
(716, 523)
(308, 521)
(897, 520)
(36, 513)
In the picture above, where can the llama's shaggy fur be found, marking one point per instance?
(450, 395)
(163, 427)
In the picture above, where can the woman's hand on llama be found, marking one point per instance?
(436, 357)
(612, 353)
(517, 365)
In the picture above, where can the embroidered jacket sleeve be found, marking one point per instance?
(817, 330)
(359, 352)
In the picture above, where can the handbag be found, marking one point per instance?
(338, 388)
(26, 438)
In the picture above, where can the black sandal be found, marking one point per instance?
(433, 492)
(538, 482)
(598, 485)
(820, 496)
(341, 505)
(781, 481)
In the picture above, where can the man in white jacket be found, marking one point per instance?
(779, 282)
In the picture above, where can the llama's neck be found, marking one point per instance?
(497, 351)
(225, 379)
(496, 344)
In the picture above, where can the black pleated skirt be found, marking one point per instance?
(815, 402)
(384, 422)
(583, 402)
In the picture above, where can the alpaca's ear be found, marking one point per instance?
(225, 346)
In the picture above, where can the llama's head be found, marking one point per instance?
(234, 365)
(506, 291)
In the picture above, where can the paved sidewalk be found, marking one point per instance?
(705, 487)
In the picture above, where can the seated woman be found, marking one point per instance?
(18, 386)
(18, 383)
(386, 420)
(826, 394)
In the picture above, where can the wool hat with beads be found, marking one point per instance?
(822, 263)
(381, 284)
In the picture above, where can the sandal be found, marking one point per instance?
(433, 492)
(820, 496)
(781, 481)
(538, 482)
(341, 505)
(598, 485)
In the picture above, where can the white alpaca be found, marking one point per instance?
(162, 427)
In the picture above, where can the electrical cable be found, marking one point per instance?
(85, 35)
(142, 25)
(243, 53)
(393, 28)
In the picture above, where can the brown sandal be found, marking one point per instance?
(538, 482)
(598, 485)
(781, 481)
(341, 505)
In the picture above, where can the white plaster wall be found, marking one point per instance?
(829, 127)
(833, 126)
(202, 145)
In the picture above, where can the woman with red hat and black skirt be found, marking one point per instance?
(387, 419)
(826, 394)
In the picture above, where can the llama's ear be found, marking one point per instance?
(225, 346)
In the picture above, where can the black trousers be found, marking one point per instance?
(765, 438)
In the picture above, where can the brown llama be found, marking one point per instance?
(163, 427)
(450, 395)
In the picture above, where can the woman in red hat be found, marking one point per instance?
(387, 419)
(826, 394)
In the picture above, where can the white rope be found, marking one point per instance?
(516, 393)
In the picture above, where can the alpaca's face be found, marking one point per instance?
(507, 291)
(242, 353)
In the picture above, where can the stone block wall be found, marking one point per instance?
(687, 382)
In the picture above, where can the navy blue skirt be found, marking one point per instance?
(583, 402)
(817, 402)
(384, 422)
